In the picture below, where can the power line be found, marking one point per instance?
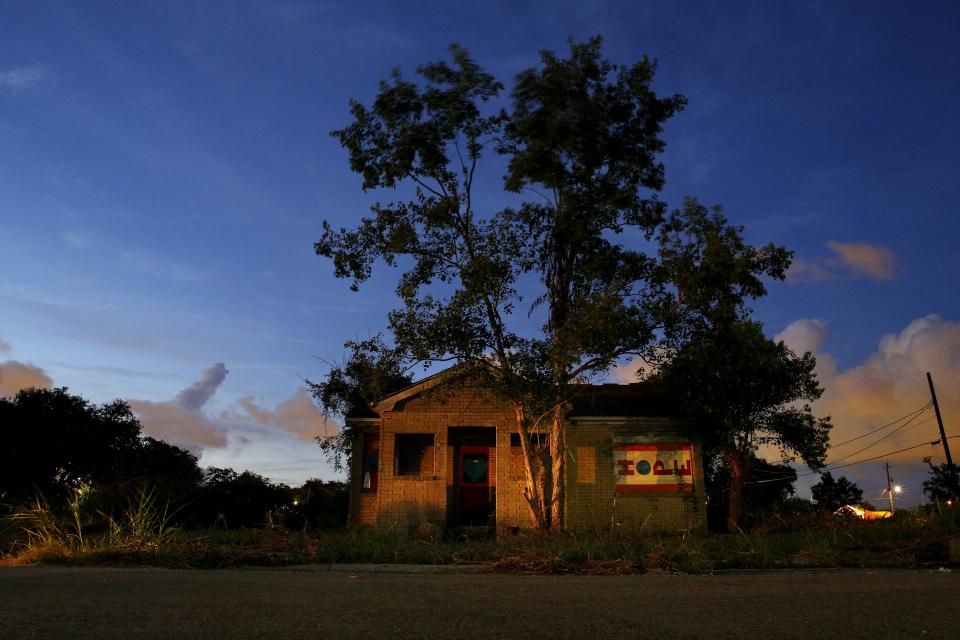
(878, 441)
(912, 415)
(880, 428)
(851, 464)
(890, 453)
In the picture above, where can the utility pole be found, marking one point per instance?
(889, 486)
(943, 439)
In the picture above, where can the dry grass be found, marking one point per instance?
(142, 537)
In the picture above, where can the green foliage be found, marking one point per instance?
(230, 499)
(942, 483)
(51, 532)
(372, 371)
(767, 489)
(317, 505)
(831, 494)
(743, 391)
(784, 540)
(56, 443)
(581, 138)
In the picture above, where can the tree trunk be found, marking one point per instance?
(535, 473)
(739, 468)
(558, 449)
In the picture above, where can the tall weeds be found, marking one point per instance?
(76, 529)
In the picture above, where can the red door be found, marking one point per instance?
(473, 482)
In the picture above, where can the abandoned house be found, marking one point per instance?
(449, 455)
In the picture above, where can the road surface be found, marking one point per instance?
(54, 602)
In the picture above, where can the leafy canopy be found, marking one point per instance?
(745, 391)
(830, 494)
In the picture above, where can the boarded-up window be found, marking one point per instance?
(414, 454)
(586, 465)
(516, 464)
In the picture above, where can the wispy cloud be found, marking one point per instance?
(4, 346)
(153, 264)
(123, 372)
(24, 78)
(849, 260)
(34, 296)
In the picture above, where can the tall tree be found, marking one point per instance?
(581, 140)
(830, 494)
(941, 483)
(742, 391)
(55, 442)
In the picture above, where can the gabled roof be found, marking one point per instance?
(415, 389)
(638, 399)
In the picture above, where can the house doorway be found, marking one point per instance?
(473, 499)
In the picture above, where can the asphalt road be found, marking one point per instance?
(53, 603)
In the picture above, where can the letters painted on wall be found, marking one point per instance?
(641, 467)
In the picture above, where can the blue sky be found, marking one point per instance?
(165, 168)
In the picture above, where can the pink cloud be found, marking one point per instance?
(888, 384)
(867, 260)
(298, 416)
(181, 422)
(849, 260)
(15, 376)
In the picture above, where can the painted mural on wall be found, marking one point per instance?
(643, 466)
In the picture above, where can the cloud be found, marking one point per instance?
(4, 346)
(23, 78)
(158, 266)
(197, 394)
(868, 260)
(633, 370)
(180, 421)
(178, 425)
(297, 416)
(806, 271)
(849, 260)
(887, 385)
(804, 335)
(15, 376)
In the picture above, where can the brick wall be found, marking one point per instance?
(592, 501)
(406, 502)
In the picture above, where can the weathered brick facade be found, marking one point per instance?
(420, 484)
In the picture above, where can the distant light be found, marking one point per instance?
(949, 503)
(296, 502)
(897, 489)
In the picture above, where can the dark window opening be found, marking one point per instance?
(370, 463)
(414, 454)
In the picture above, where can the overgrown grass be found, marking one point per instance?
(140, 535)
